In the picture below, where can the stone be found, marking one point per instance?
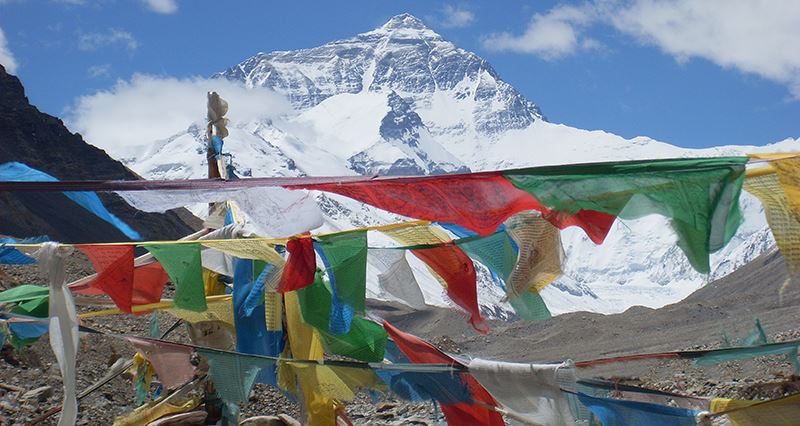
(8, 406)
(279, 420)
(384, 406)
(39, 394)
(191, 418)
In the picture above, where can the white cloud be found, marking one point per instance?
(6, 57)
(162, 6)
(102, 70)
(752, 36)
(149, 108)
(552, 35)
(112, 37)
(456, 17)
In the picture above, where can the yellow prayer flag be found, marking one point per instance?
(256, 249)
(540, 253)
(417, 235)
(155, 410)
(305, 343)
(780, 412)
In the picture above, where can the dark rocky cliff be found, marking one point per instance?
(43, 142)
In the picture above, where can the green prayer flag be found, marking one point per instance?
(23, 292)
(530, 306)
(699, 195)
(365, 341)
(184, 267)
(758, 336)
(39, 307)
(747, 352)
(315, 303)
(30, 300)
(233, 375)
(495, 252)
(345, 256)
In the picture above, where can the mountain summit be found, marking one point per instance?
(400, 100)
(404, 56)
(405, 21)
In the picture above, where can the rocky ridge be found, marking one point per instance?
(43, 142)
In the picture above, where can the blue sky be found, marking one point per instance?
(677, 71)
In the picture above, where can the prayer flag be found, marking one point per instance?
(456, 269)
(779, 412)
(273, 212)
(9, 255)
(19, 172)
(250, 320)
(396, 278)
(783, 214)
(63, 327)
(421, 352)
(699, 195)
(305, 343)
(617, 412)
(184, 266)
(31, 300)
(448, 264)
(345, 259)
(365, 341)
(494, 251)
(746, 352)
(477, 201)
(148, 283)
(445, 387)
(171, 361)
(256, 249)
(234, 376)
(114, 266)
(528, 391)
(300, 268)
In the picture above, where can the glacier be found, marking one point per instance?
(402, 100)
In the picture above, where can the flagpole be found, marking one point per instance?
(216, 109)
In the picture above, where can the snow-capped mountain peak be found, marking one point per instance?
(401, 99)
(404, 56)
(404, 25)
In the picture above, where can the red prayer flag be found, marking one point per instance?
(477, 201)
(480, 202)
(148, 285)
(420, 352)
(595, 224)
(114, 266)
(300, 267)
(458, 271)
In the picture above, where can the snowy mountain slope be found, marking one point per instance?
(402, 100)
